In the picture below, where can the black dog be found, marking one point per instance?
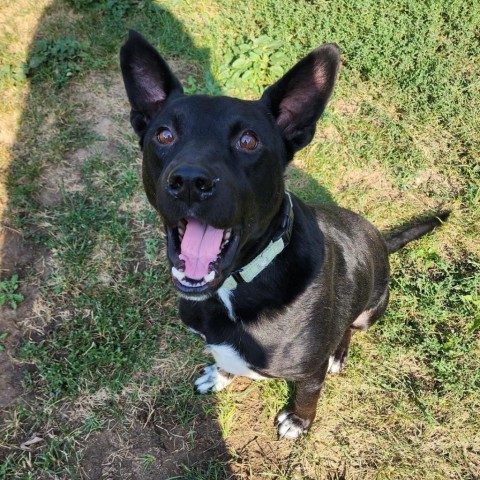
(275, 287)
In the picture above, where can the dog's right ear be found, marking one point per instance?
(148, 80)
(299, 98)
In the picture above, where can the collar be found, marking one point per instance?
(279, 241)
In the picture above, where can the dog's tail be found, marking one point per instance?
(408, 232)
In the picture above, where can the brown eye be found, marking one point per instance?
(165, 136)
(248, 141)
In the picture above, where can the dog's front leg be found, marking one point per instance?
(295, 420)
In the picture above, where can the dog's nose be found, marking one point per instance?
(191, 183)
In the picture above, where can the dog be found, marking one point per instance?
(275, 287)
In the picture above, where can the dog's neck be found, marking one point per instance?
(277, 244)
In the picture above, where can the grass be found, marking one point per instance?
(109, 363)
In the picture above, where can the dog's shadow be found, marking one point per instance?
(306, 187)
(38, 188)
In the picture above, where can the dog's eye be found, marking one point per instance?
(165, 136)
(248, 141)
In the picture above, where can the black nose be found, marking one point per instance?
(191, 183)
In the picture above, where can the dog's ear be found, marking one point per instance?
(148, 80)
(298, 99)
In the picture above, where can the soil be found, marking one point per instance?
(19, 257)
(120, 452)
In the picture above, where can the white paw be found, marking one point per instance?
(334, 365)
(290, 426)
(212, 380)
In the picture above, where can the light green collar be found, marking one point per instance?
(261, 261)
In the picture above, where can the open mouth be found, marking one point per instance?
(200, 255)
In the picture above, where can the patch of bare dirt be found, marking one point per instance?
(256, 451)
(372, 179)
(328, 134)
(253, 439)
(64, 177)
(373, 193)
(346, 108)
(103, 106)
(371, 189)
(152, 452)
(431, 182)
(17, 256)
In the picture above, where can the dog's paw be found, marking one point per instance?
(213, 379)
(291, 426)
(335, 365)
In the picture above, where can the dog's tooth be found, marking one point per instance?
(209, 277)
(226, 237)
(181, 231)
(178, 274)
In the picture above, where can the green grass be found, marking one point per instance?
(106, 350)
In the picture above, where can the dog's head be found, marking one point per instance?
(213, 166)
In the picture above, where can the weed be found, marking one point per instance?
(59, 59)
(147, 460)
(252, 64)
(8, 287)
(13, 73)
(151, 248)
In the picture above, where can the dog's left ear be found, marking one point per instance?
(299, 98)
(148, 80)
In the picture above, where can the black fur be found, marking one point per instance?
(331, 279)
(408, 233)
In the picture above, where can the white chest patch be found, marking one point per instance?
(228, 359)
(224, 295)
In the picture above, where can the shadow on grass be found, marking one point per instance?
(306, 187)
(126, 322)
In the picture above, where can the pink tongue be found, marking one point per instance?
(200, 246)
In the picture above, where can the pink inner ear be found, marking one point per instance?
(152, 88)
(305, 93)
(320, 76)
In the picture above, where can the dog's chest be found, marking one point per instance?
(246, 348)
(228, 359)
